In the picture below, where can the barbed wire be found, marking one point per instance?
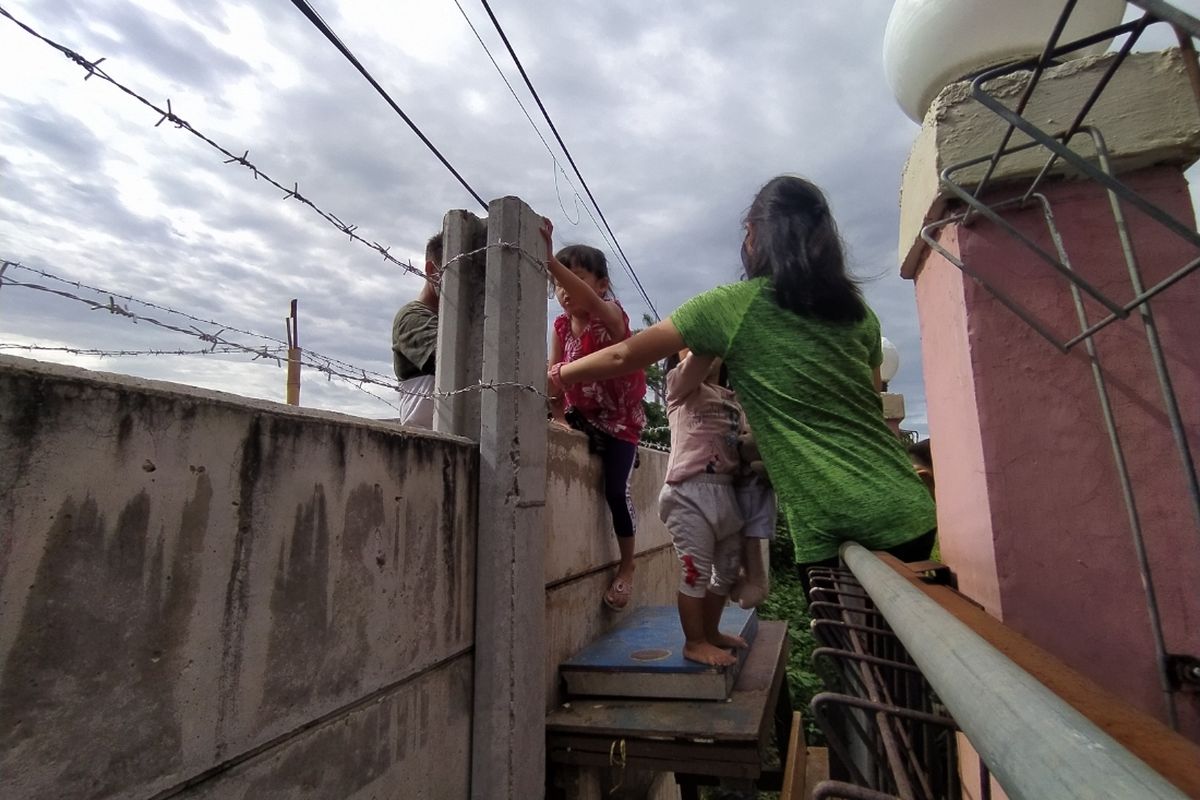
(608, 242)
(5, 264)
(168, 115)
(329, 366)
(91, 351)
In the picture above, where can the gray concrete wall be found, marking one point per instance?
(206, 596)
(581, 550)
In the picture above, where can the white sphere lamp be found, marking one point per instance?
(929, 44)
(891, 361)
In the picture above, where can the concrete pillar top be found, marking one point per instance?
(1148, 115)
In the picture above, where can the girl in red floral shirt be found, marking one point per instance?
(610, 412)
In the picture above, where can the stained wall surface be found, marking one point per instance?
(202, 595)
(207, 596)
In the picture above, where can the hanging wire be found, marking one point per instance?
(529, 84)
(324, 28)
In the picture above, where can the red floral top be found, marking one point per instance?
(614, 405)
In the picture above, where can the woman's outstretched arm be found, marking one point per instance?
(637, 352)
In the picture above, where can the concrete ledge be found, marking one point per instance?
(579, 534)
(1148, 115)
(175, 391)
(893, 405)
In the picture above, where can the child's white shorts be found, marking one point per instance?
(702, 515)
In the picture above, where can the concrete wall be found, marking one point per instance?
(212, 597)
(206, 596)
(1030, 510)
(581, 549)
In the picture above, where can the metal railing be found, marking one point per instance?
(1097, 168)
(888, 733)
(913, 675)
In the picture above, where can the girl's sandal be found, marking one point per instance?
(618, 594)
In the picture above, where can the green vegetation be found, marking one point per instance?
(787, 602)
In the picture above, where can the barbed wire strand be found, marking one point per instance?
(92, 351)
(168, 115)
(332, 367)
(5, 264)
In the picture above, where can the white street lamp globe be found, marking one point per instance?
(891, 360)
(930, 44)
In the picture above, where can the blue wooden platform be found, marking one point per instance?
(643, 657)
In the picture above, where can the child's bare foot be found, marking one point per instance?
(723, 640)
(707, 653)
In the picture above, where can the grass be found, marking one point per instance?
(787, 602)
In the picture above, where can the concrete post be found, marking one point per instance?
(508, 740)
(1030, 509)
(460, 325)
(893, 410)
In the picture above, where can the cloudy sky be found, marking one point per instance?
(674, 111)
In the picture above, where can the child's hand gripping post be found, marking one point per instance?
(547, 231)
(586, 297)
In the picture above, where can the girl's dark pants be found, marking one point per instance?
(617, 459)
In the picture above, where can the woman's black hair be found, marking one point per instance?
(674, 360)
(586, 258)
(797, 247)
(922, 452)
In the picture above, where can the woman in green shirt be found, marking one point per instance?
(803, 352)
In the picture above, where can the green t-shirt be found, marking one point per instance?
(806, 385)
(414, 340)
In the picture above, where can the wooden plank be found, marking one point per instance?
(794, 761)
(679, 766)
(816, 770)
(743, 717)
(1166, 752)
(654, 748)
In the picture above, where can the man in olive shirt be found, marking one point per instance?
(414, 344)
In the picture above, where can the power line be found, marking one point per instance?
(566, 152)
(324, 28)
(607, 242)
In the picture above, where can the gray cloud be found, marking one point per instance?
(126, 31)
(675, 112)
(60, 136)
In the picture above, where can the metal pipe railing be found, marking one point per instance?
(1035, 744)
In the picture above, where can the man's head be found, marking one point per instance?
(433, 256)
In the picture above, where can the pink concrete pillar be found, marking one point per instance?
(1030, 510)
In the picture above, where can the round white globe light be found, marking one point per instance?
(891, 360)
(930, 44)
